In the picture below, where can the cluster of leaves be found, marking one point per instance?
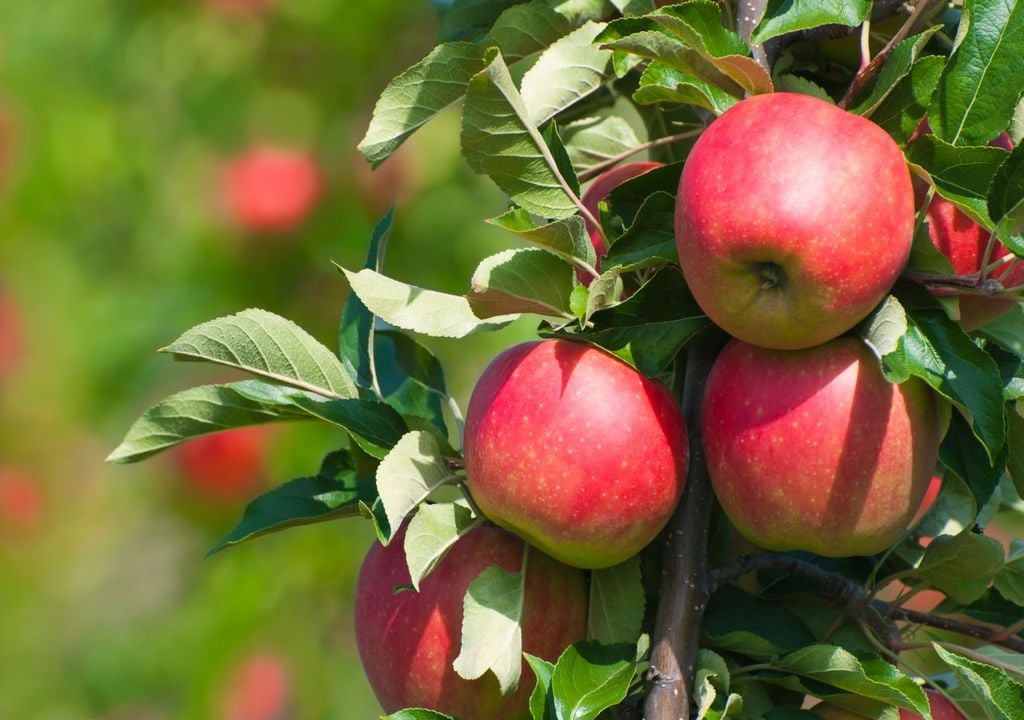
(552, 93)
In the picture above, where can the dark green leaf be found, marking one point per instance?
(531, 27)
(410, 377)
(664, 83)
(896, 68)
(1006, 199)
(1015, 443)
(651, 239)
(786, 16)
(1010, 579)
(616, 608)
(905, 105)
(470, 18)
(961, 566)
(966, 457)
(542, 701)
(374, 425)
(590, 678)
(1000, 695)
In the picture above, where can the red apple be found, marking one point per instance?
(409, 640)
(814, 450)
(793, 219)
(941, 709)
(259, 689)
(21, 504)
(227, 466)
(603, 185)
(11, 335)
(575, 451)
(270, 189)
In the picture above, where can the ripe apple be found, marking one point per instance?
(11, 335)
(575, 451)
(270, 189)
(941, 709)
(225, 466)
(604, 184)
(793, 219)
(814, 450)
(259, 689)
(21, 504)
(409, 640)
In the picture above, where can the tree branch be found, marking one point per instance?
(683, 592)
(848, 594)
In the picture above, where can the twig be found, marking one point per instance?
(683, 591)
(748, 15)
(595, 170)
(871, 69)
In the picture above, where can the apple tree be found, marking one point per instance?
(774, 253)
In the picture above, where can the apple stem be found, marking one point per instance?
(683, 592)
(987, 256)
(869, 70)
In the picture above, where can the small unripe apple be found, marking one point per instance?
(793, 219)
(226, 466)
(21, 504)
(259, 689)
(270, 189)
(814, 450)
(941, 709)
(408, 640)
(11, 334)
(575, 451)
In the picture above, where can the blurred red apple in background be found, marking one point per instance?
(259, 689)
(270, 189)
(240, 7)
(11, 333)
(226, 466)
(409, 640)
(21, 503)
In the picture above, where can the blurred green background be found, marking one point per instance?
(118, 119)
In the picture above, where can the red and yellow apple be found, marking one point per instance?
(409, 640)
(814, 450)
(941, 709)
(575, 451)
(793, 219)
(226, 466)
(270, 189)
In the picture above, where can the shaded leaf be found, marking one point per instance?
(961, 566)
(528, 280)
(616, 608)
(786, 16)
(590, 677)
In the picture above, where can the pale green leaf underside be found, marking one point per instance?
(409, 474)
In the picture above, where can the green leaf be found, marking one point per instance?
(1015, 443)
(376, 427)
(1010, 578)
(898, 66)
(411, 379)
(529, 280)
(1006, 199)
(409, 474)
(871, 677)
(433, 530)
(966, 457)
(650, 239)
(566, 238)
(270, 347)
(605, 291)
(492, 638)
(699, 24)
(594, 140)
(651, 326)
(962, 175)
(885, 328)
(953, 512)
(469, 18)
(1001, 697)
(418, 310)
(499, 139)
(984, 77)
(565, 73)
(523, 30)
(961, 566)
(197, 411)
(787, 82)
(900, 113)
(664, 83)
(334, 492)
(542, 701)
(356, 335)
(710, 680)
(616, 611)
(786, 16)
(1008, 330)
(750, 625)
(590, 677)
(634, 7)
(418, 94)
(417, 714)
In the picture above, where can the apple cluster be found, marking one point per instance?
(794, 219)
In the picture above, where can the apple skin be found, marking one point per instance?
(814, 450)
(575, 451)
(602, 186)
(408, 641)
(259, 689)
(941, 708)
(224, 467)
(269, 189)
(793, 219)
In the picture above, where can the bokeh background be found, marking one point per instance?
(145, 148)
